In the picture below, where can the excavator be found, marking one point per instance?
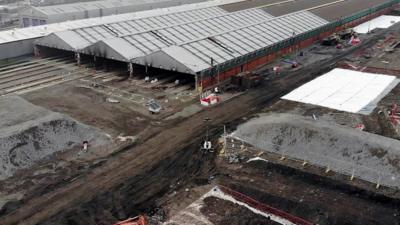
(138, 220)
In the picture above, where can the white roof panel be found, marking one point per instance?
(93, 5)
(345, 90)
(248, 38)
(379, 22)
(186, 58)
(93, 34)
(40, 31)
(189, 31)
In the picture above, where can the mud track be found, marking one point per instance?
(136, 166)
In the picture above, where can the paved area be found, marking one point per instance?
(282, 9)
(345, 8)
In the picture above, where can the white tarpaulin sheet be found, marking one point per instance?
(379, 22)
(345, 90)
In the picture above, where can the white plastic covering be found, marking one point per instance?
(345, 90)
(379, 22)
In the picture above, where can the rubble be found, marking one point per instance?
(371, 157)
(26, 129)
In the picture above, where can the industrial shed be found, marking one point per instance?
(83, 37)
(35, 16)
(218, 44)
(230, 45)
(19, 42)
(180, 28)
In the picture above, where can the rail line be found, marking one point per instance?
(27, 63)
(25, 77)
(38, 64)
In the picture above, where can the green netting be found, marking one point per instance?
(301, 37)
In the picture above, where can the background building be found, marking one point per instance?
(34, 16)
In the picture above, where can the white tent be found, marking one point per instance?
(345, 90)
(379, 22)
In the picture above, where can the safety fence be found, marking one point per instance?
(380, 177)
(263, 207)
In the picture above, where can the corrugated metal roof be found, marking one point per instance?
(82, 6)
(154, 40)
(88, 35)
(222, 38)
(40, 31)
(233, 44)
(93, 34)
(186, 58)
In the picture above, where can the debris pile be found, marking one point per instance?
(29, 133)
(347, 151)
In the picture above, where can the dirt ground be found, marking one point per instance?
(91, 108)
(312, 198)
(223, 212)
(167, 160)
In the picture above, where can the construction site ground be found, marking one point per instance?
(156, 166)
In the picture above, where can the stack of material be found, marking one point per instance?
(345, 90)
(29, 133)
(247, 80)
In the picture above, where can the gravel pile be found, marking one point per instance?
(370, 157)
(29, 133)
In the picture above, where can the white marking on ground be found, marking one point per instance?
(256, 159)
(216, 192)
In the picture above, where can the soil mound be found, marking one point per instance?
(371, 157)
(29, 133)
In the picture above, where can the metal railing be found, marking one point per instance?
(263, 207)
(323, 162)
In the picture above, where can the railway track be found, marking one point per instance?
(40, 73)
(25, 62)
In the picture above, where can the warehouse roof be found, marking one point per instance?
(85, 36)
(233, 44)
(92, 5)
(148, 42)
(40, 31)
(345, 90)
(161, 32)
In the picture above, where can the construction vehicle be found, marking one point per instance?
(206, 145)
(332, 40)
(292, 63)
(138, 220)
(246, 80)
(153, 106)
(346, 34)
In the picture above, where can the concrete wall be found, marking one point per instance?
(16, 48)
